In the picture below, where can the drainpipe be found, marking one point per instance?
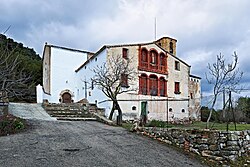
(167, 112)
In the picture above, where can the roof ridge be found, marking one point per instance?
(67, 48)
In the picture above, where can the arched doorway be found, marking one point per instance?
(66, 98)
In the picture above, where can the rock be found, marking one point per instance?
(233, 136)
(206, 153)
(218, 158)
(222, 145)
(229, 153)
(194, 150)
(203, 147)
(232, 143)
(213, 147)
(232, 148)
(167, 141)
(181, 139)
(232, 157)
(247, 137)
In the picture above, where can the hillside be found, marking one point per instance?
(29, 63)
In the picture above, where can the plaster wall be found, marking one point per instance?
(63, 76)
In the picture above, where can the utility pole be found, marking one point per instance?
(224, 104)
(85, 84)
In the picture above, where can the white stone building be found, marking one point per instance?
(165, 88)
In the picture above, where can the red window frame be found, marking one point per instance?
(143, 84)
(153, 85)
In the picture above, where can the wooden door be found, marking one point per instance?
(66, 98)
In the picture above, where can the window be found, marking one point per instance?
(171, 47)
(124, 80)
(125, 53)
(143, 84)
(134, 108)
(170, 110)
(153, 55)
(191, 96)
(177, 88)
(144, 55)
(183, 110)
(162, 87)
(153, 85)
(162, 59)
(177, 65)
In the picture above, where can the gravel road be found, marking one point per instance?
(70, 144)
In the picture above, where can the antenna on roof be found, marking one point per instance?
(155, 28)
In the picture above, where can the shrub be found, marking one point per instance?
(10, 124)
(205, 113)
(157, 123)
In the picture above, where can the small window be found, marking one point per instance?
(170, 110)
(171, 47)
(177, 65)
(125, 53)
(183, 110)
(177, 88)
(191, 96)
(95, 59)
(134, 108)
(124, 80)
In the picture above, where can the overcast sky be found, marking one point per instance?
(203, 28)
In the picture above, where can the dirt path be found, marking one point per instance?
(57, 143)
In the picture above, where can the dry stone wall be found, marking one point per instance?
(217, 145)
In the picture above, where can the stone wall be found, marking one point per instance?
(216, 145)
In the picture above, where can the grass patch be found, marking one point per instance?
(127, 125)
(216, 126)
(10, 124)
(160, 124)
(194, 125)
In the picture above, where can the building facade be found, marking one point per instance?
(164, 89)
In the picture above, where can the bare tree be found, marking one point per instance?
(223, 78)
(113, 78)
(13, 79)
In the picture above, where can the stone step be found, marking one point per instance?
(64, 108)
(70, 114)
(73, 112)
(75, 119)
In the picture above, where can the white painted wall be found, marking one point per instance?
(63, 65)
(39, 94)
(85, 74)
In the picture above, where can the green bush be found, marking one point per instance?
(10, 124)
(205, 113)
(157, 123)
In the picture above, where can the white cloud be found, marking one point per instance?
(203, 28)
